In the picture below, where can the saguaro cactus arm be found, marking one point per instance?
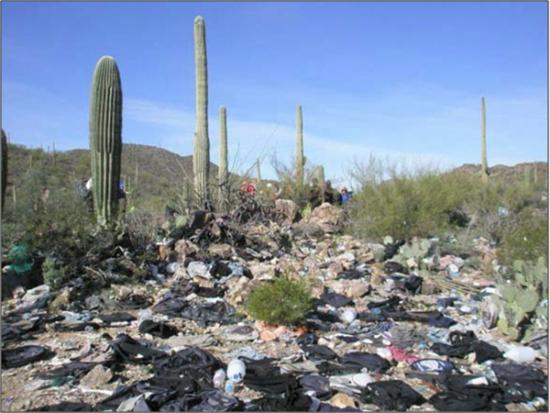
(223, 168)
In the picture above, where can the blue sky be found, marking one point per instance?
(397, 80)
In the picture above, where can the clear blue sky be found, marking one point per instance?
(399, 80)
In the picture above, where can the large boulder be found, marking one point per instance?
(288, 210)
(329, 217)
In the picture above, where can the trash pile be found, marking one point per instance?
(394, 327)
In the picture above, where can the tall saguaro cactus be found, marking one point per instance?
(484, 167)
(201, 149)
(106, 138)
(223, 171)
(321, 178)
(4, 166)
(300, 161)
(258, 171)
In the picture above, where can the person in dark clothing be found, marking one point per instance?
(328, 195)
(315, 194)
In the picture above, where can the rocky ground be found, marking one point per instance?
(382, 313)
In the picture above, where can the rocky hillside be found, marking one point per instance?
(153, 175)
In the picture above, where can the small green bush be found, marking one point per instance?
(283, 301)
(55, 273)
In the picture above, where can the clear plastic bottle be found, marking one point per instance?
(219, 378)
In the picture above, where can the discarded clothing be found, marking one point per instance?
(391, 303)
(21, 356)
(452, 402)
(157, 329)
(170, 305)
(391, 395)
(206, 313)
(132, 351)
(292, 401)
(335, 299)
(306, 339)
(116, 318)
(73, 369)
(65, 407)
(191, 362)
(392, 267)
(316, 352)
(216, 401)
(521, 382)
(262, 376)
(372, 362)
(319, 386)
(432, 366)
(463, 344)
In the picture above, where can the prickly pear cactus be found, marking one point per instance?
(522, 299)
(414, 250)
(106, 139)
(201, 146)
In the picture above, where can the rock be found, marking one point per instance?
(36, 297)
(97, 377)
(238, 290)
(328, 217)
(334, 269)
(184, 249)
(122, 291)
(198, 269)
(240, 333)
(203, 340)
(288, 210)
(61, 301)
(223, 251)
(307, 229)
(429, 287)
(203, 282)
(351, 288)
(342, 400)
(262, 270)
(166, 253)
(270, 332)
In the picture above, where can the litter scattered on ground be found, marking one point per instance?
(392, 328)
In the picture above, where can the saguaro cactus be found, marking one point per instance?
(4, 166)
(300, 161)
(201, 151)
(223, 172)
(106, 139)
(258, 171)
(321, 178)
(484, 167)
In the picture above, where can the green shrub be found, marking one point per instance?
(527, 240)
(55, 273)
(283, 301)
(404, 203)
